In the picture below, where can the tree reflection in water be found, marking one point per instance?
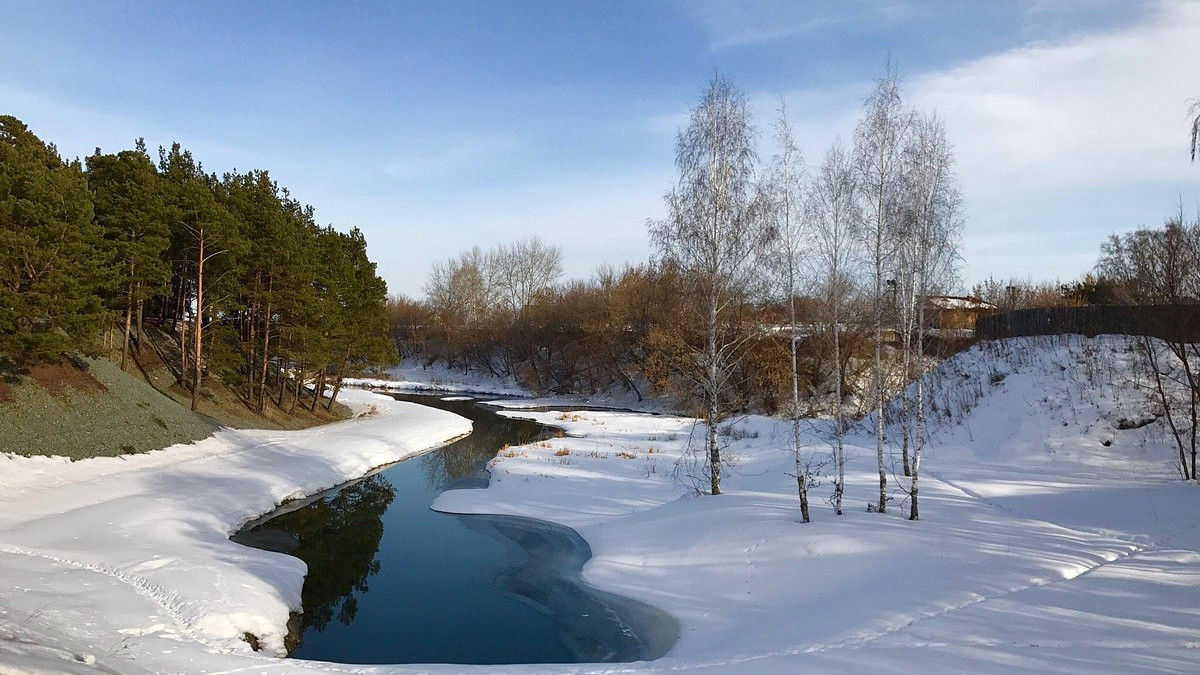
(338, 537)
(457, 465)
(513, 585)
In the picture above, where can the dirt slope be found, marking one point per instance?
(92, 408)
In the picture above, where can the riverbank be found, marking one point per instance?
(1052, 538)
(90, 407)
(1042, 517)
(67, 411)
(125, 562)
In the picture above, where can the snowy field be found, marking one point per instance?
(1050, 540)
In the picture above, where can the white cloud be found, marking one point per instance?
(1058, 144)
(1101, 110)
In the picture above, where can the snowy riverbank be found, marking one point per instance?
(125, 562)
(1050, 539)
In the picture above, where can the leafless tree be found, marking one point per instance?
(1163, 267)
(1012, 293)
(836, 218)
(929, 241)
(878, 142)
(712, 231)
(461, 290)
(784, 188)
(522, 270)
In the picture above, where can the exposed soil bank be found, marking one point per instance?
(108, 413)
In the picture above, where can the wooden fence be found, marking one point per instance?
(1175, 323)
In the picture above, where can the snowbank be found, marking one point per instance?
(1051, 539)
(123, 553)
(411, 376)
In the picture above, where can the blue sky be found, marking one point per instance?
(436, 126)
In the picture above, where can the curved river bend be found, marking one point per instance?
(392, 581)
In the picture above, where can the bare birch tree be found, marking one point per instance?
(929, 236)
(461, 290)
(878, 141)
(712, 233)
(835, 218)
(524, 269)
(784, 189)
(1162, 267)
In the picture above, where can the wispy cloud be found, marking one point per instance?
(464, 154)
(735, 23)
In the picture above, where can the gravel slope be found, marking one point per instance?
(127, 416)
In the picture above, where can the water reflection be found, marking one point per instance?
(458, 464)
(338, 538)
(406, 584)
(337, 573)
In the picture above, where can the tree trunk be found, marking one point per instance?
(839, 428)
(337, 387)
(801, 471)
(1195, 402)
(282, 383)
(180, 299)
(1182, 352)
(318, 390)
(183, 352)
(919, 437)
(266, 359)
(1152, 361)
(249, 336)
(296, 390)
(714, 451)
(877, 374)
(128, 326)
(198, 328)
(906, 412)
(139, 308)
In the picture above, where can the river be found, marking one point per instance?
(392, 581)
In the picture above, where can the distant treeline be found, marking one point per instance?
(503, 312)
(252, 289)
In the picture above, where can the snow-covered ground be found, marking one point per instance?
(125, 563)
(1050, 540)
(412, 376)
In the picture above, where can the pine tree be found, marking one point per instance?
(50, 270)
(207, 244)
(360, 333)
(130, 210)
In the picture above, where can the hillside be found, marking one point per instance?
(90, 408)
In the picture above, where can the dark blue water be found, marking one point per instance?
(392, 581)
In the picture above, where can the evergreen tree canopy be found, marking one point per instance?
(50, 250)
